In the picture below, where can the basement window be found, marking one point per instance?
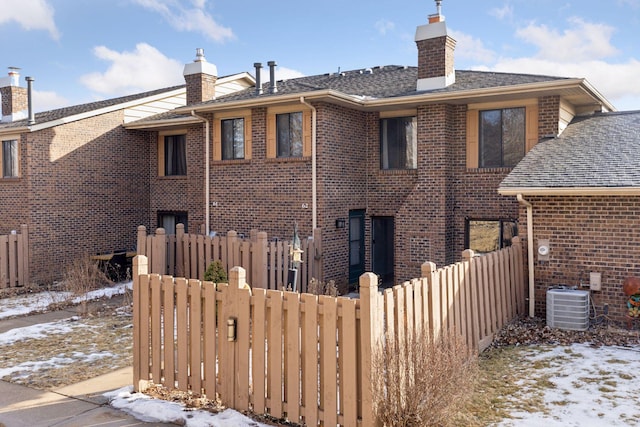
(488, 235)
(169, 220)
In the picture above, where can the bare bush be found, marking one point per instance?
(83, 275)
(421, 381)
(316, 287)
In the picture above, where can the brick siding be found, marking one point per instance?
(586, 234)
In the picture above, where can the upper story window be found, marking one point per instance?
(232, 135)
(172, 155)
(398, 143)
(288, 132)
(500, 134)
(9, 158)
(502, 137)
(232, 139)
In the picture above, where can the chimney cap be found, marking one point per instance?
(200, 65)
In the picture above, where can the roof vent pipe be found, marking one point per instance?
(32, 117)
(258, 66)
(272, 75)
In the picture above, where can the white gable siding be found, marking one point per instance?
(154, 107)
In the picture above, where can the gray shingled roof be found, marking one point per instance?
(382, 82)
(599, 151)
(48, 116)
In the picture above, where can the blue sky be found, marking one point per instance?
(80, 51)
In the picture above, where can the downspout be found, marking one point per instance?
(207, 166)
(314, 183)
(529, 207)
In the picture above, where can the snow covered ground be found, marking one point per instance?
(587, 386)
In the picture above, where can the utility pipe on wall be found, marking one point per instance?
(529, 207)
(314, 192)
(207, 208)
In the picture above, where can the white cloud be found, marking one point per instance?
(184, 18)
(503, 12)
(48, 100)
(581, 42)
(30, 15)
(142, 69)
(282, 73)
(469, 48)
(383, 26)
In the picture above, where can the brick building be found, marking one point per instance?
(397, 165)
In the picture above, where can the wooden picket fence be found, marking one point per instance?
(14, 259)
(304, 357)
(267, 263)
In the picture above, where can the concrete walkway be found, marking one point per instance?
(77, 405)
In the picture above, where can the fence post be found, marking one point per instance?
(371, 332)
(259, 270)
(428, 270)
(467, 254)
(159, 261)
(24, 233)
(179, 251)
(140, 266)
(141, 247)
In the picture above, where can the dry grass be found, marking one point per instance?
(421, 382)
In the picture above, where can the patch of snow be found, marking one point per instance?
(148, 409)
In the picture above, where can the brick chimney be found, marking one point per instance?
(14, 97)
(435, 53)
(200, 77)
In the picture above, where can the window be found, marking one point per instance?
(10, 158)
(174, 153)
(398, 143)
(483, 236)
(499, 134)
(502, 137)
(232, 139)
(169, 220)
(289, 134)
(232, 135)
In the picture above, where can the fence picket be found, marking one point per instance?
(274, 353)
(168, 322)
(209, 339)
(329, 373)
(258, 353)
(310, 359)
(292, 355)
(195, 333)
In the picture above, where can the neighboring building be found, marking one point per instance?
(75, 175)
(583, 193)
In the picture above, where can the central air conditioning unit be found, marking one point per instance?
(568, 309)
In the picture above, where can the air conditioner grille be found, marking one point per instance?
(568, 309)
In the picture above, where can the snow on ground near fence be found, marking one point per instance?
(590, 386)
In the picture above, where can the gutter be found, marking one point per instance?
(571, 191)
(207, 167)
(529, 207)
(314, 179)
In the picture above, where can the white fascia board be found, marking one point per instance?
(570, 191)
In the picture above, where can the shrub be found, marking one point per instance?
(421, 381)
(216, 273)
(317, 287)
(81, 276)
